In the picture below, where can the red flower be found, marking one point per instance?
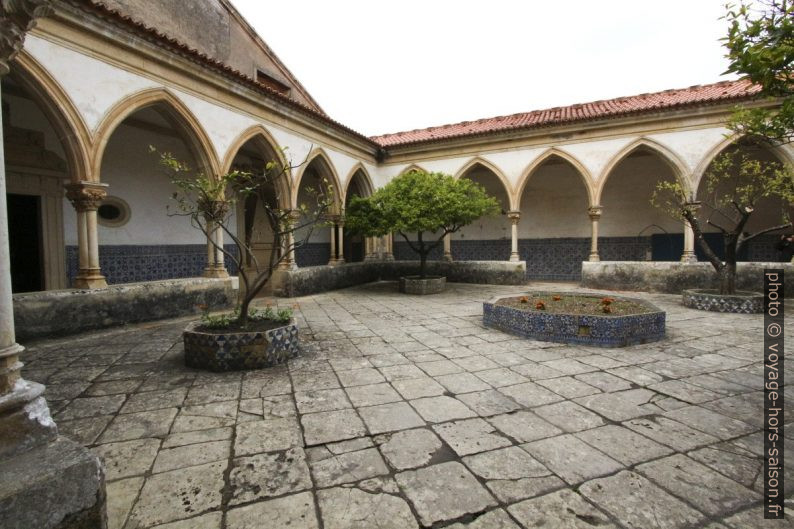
(540, 305)
(556, 298)
(607, 301)
(523, 299)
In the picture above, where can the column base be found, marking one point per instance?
(216, 273)
(287, 265)
(447, 257)
(89, 279)
(25, 421)
(59, 485)
(335, 262)
(689, 258)
(593, 258)
(388, 257)
(514, 258)
(372, 257)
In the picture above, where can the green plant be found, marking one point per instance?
(209, 201)
(421, 203)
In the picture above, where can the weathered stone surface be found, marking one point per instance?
(623, 445)
(563, 509)
(530, 394)
(139, 425)
(267, 475)
(351, 508)
(127, 458)
(410, 448)
(470, 436)
(179, 494)
(121, 496)
(205, 416)
(571, 459)
(211, 520)
(441, 409)
(512, 474)
(496, 519)
(462, 383)
(331, 426)
(638, 503)
(489, 402)
(372, 395)
(295, 511)
(198, 436)
(443, 492)
(569, 416)
(390, 417)
(622, 405)
(524, 426)
(348, 467)
(190, 455)
(267, 436)
(710, 422)
(671, 433)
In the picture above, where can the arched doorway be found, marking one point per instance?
(316, 244)
(487, 238)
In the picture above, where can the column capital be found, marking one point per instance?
(16, 19)
(594, 212)
(514, 216)
(86, 196)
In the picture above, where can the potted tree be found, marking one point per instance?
(427, 206)
(245, 338)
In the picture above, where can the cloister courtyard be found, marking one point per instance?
(405, 411)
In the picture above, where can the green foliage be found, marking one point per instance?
(760, 44)
(226, 320)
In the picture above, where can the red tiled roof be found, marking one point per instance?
(182, 49)
(699, 95)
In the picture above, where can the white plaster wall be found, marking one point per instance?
(554, 203)
(25, 114)
(491, 226)
(319, 232)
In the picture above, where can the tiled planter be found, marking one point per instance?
(428, 285)
(239, 350)
(712, 300)
(602, 331)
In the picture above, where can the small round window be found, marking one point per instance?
(113, 212)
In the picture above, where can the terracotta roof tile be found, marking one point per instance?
(699, 95)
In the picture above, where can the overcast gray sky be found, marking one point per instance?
(383, 67)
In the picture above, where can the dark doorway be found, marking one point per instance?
(25, 243)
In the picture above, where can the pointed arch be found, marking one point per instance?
(59, 109)
(670, 158)
(196, 137)
(412, 167)
(554, 152)
(265, 141)
(367, 180)
(319, 155)
(478, 161)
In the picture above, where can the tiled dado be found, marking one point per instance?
(313, 254)
(134, 263)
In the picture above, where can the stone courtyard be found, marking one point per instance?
(406, 412)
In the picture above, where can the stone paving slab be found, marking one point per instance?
(405, 412)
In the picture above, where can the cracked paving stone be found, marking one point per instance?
(295, 511)
(686, 478)
(439, 367)
(731, 461)
(572, 459)
(205, 416)
(372, 395)
(441, 409)
(197, 436)
(490, 402)
(191, 455)
(84, 431)
(360, 377)
(216, 392)
(409, 448)
(81, 408)
(530, 394)
(637, 375)
(569, 366)
(710, 422)
(604, 381)
(751, 517)
(524, 426)
(330, 426)
(418, 387)
(390, 417)
(512, 474)
(462, 383)
(127, 458)
(470, 436)
(640, 504)
(671, 433)
(623, 405)
(211, 520)
(569, 387)
(154, 400)
(569, 416)
(121, 495)
(266, 386)
(444, 492)
(623, 445)
(267, 436)
(321, 400)
(352, 508)
(683, 391)
(402, 372)
(139, 425)
(348, 467)
(496, 519)
(563, 509)
(267, 475)
(500, 377)
(178, 494)
(476, 363)
(535, 371)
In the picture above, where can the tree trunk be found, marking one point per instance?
(242, 318)
(728, 279)
(423, 264)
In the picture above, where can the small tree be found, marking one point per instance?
(210, 204)
(430, 205)
(734, 184)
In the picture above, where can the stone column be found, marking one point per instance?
(388, 247)
(372, 250)
(688, 256)
(448, 247)
(86, 198)
(514, 217)
(332, 260)
(216, 266)
(595, 215)
(340, 229)
(48, 481)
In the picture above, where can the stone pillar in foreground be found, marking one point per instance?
(688, 255)
(514, 217)
(86, 198)
(447, 247)
(46, 481)
(595, 215)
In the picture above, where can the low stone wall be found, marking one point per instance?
(674, 278)
(311, 280)
(60, 312)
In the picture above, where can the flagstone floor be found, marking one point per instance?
(406, 412)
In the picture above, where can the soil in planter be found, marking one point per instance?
(568, 304)
(417, 278)
(252, 326)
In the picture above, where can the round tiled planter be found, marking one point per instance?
(585, 329)
(739, 303)
(428, 285)
(239, 350)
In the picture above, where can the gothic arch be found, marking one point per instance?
(412, 167)
(540, 160)
(474, 162)
(319, 154)
(194, 134)
(367, 180)
(266, 142)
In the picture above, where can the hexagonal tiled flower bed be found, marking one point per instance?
(739, 303)
(239, 350)
(646, 324)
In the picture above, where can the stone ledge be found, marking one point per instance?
(675, 277)
(61, 312)
(315, 279)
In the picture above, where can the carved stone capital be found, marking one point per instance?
(17, 17)
(594, 212)
(86, 196)
(514, 216)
